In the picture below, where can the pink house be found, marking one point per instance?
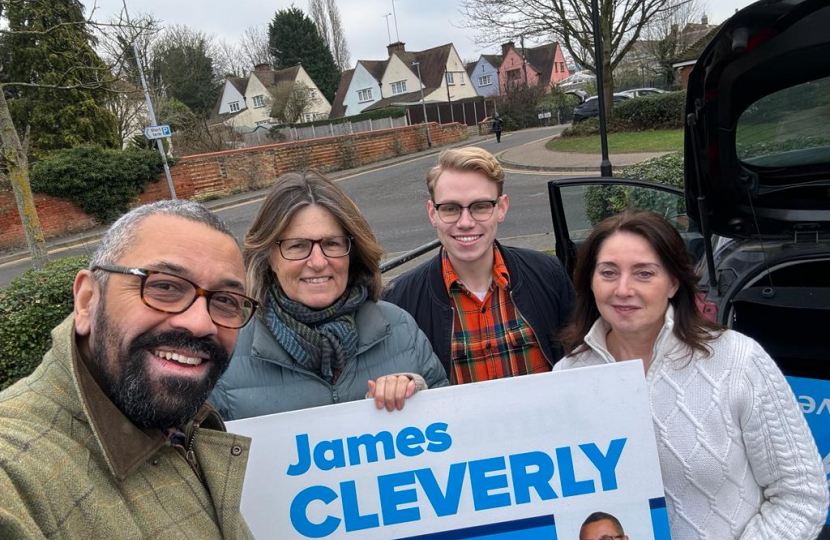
(542, 65)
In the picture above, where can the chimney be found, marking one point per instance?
(262, 67)
(398, 46)
(505, 47)
(704, 20)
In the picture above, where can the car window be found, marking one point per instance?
(787, 128)
(587, 205)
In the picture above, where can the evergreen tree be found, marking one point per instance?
(55, 83)
(293, 38)
(183, 67)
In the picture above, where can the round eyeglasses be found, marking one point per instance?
(170, 293)
(451, 212)
(297, 249)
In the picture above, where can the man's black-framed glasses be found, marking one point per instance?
(297, 249)
(451, 212)
(170, 293)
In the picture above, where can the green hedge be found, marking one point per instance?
(604, 201)
(662, 111)
(30, 307)
(102, 181)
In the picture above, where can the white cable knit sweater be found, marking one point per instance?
(737, 458)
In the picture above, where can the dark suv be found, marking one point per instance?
(590, 107)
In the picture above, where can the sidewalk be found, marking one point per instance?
(534, 156)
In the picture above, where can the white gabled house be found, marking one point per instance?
(245, 102)
(375, 84)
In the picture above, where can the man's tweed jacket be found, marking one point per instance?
(73, 467)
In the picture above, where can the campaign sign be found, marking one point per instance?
(814, 397)
(524, 458)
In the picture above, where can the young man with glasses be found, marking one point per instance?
(111, 436)
(489, 310)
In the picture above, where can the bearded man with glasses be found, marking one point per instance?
(111, 436)
(489, 310)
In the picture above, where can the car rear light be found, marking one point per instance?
(708, 309)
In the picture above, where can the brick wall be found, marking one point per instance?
(210, 176)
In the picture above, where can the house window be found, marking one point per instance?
(234, 106)
(308, 117)
(556, 67)
(450, 78)
(461, 75)
(259, 101)
(398, 87)
(514, 75)
(312, 93)
(562, 67)
(485, 80)
(364, 95)
(262, 122)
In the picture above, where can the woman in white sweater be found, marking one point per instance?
(737, 458)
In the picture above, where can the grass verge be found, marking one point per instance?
(621, 143)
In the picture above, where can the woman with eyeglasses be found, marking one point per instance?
(737, 458)
(321, 336)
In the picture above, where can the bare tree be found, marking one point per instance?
(326, 17)
(254, 46)
(621, 25)
(229, 60)
(317, 12)
(289, 101)
(669, 34)
(339, 47)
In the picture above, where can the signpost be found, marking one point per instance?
(524, 458)
(157, 132)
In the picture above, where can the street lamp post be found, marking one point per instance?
(605, 164)
(423, 102)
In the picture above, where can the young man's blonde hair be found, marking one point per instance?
(470, 158)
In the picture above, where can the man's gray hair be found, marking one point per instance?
(121, 235)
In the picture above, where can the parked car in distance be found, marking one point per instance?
(642, 92)
(590, 107)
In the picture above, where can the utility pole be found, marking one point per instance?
(423, 102)
(151, 112)
(387, 26)
(395, 16)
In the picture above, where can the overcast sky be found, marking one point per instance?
(422, 24)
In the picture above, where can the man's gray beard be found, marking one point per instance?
(178, 400)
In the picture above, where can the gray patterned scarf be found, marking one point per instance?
(321, 341)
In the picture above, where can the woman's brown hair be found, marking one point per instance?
(293, 192)
(690, 326)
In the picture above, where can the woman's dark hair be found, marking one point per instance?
(690, 326)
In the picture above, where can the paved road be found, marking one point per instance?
(393, 199)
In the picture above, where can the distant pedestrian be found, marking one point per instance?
(497, 127)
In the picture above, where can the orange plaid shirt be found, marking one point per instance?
(490, 339)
